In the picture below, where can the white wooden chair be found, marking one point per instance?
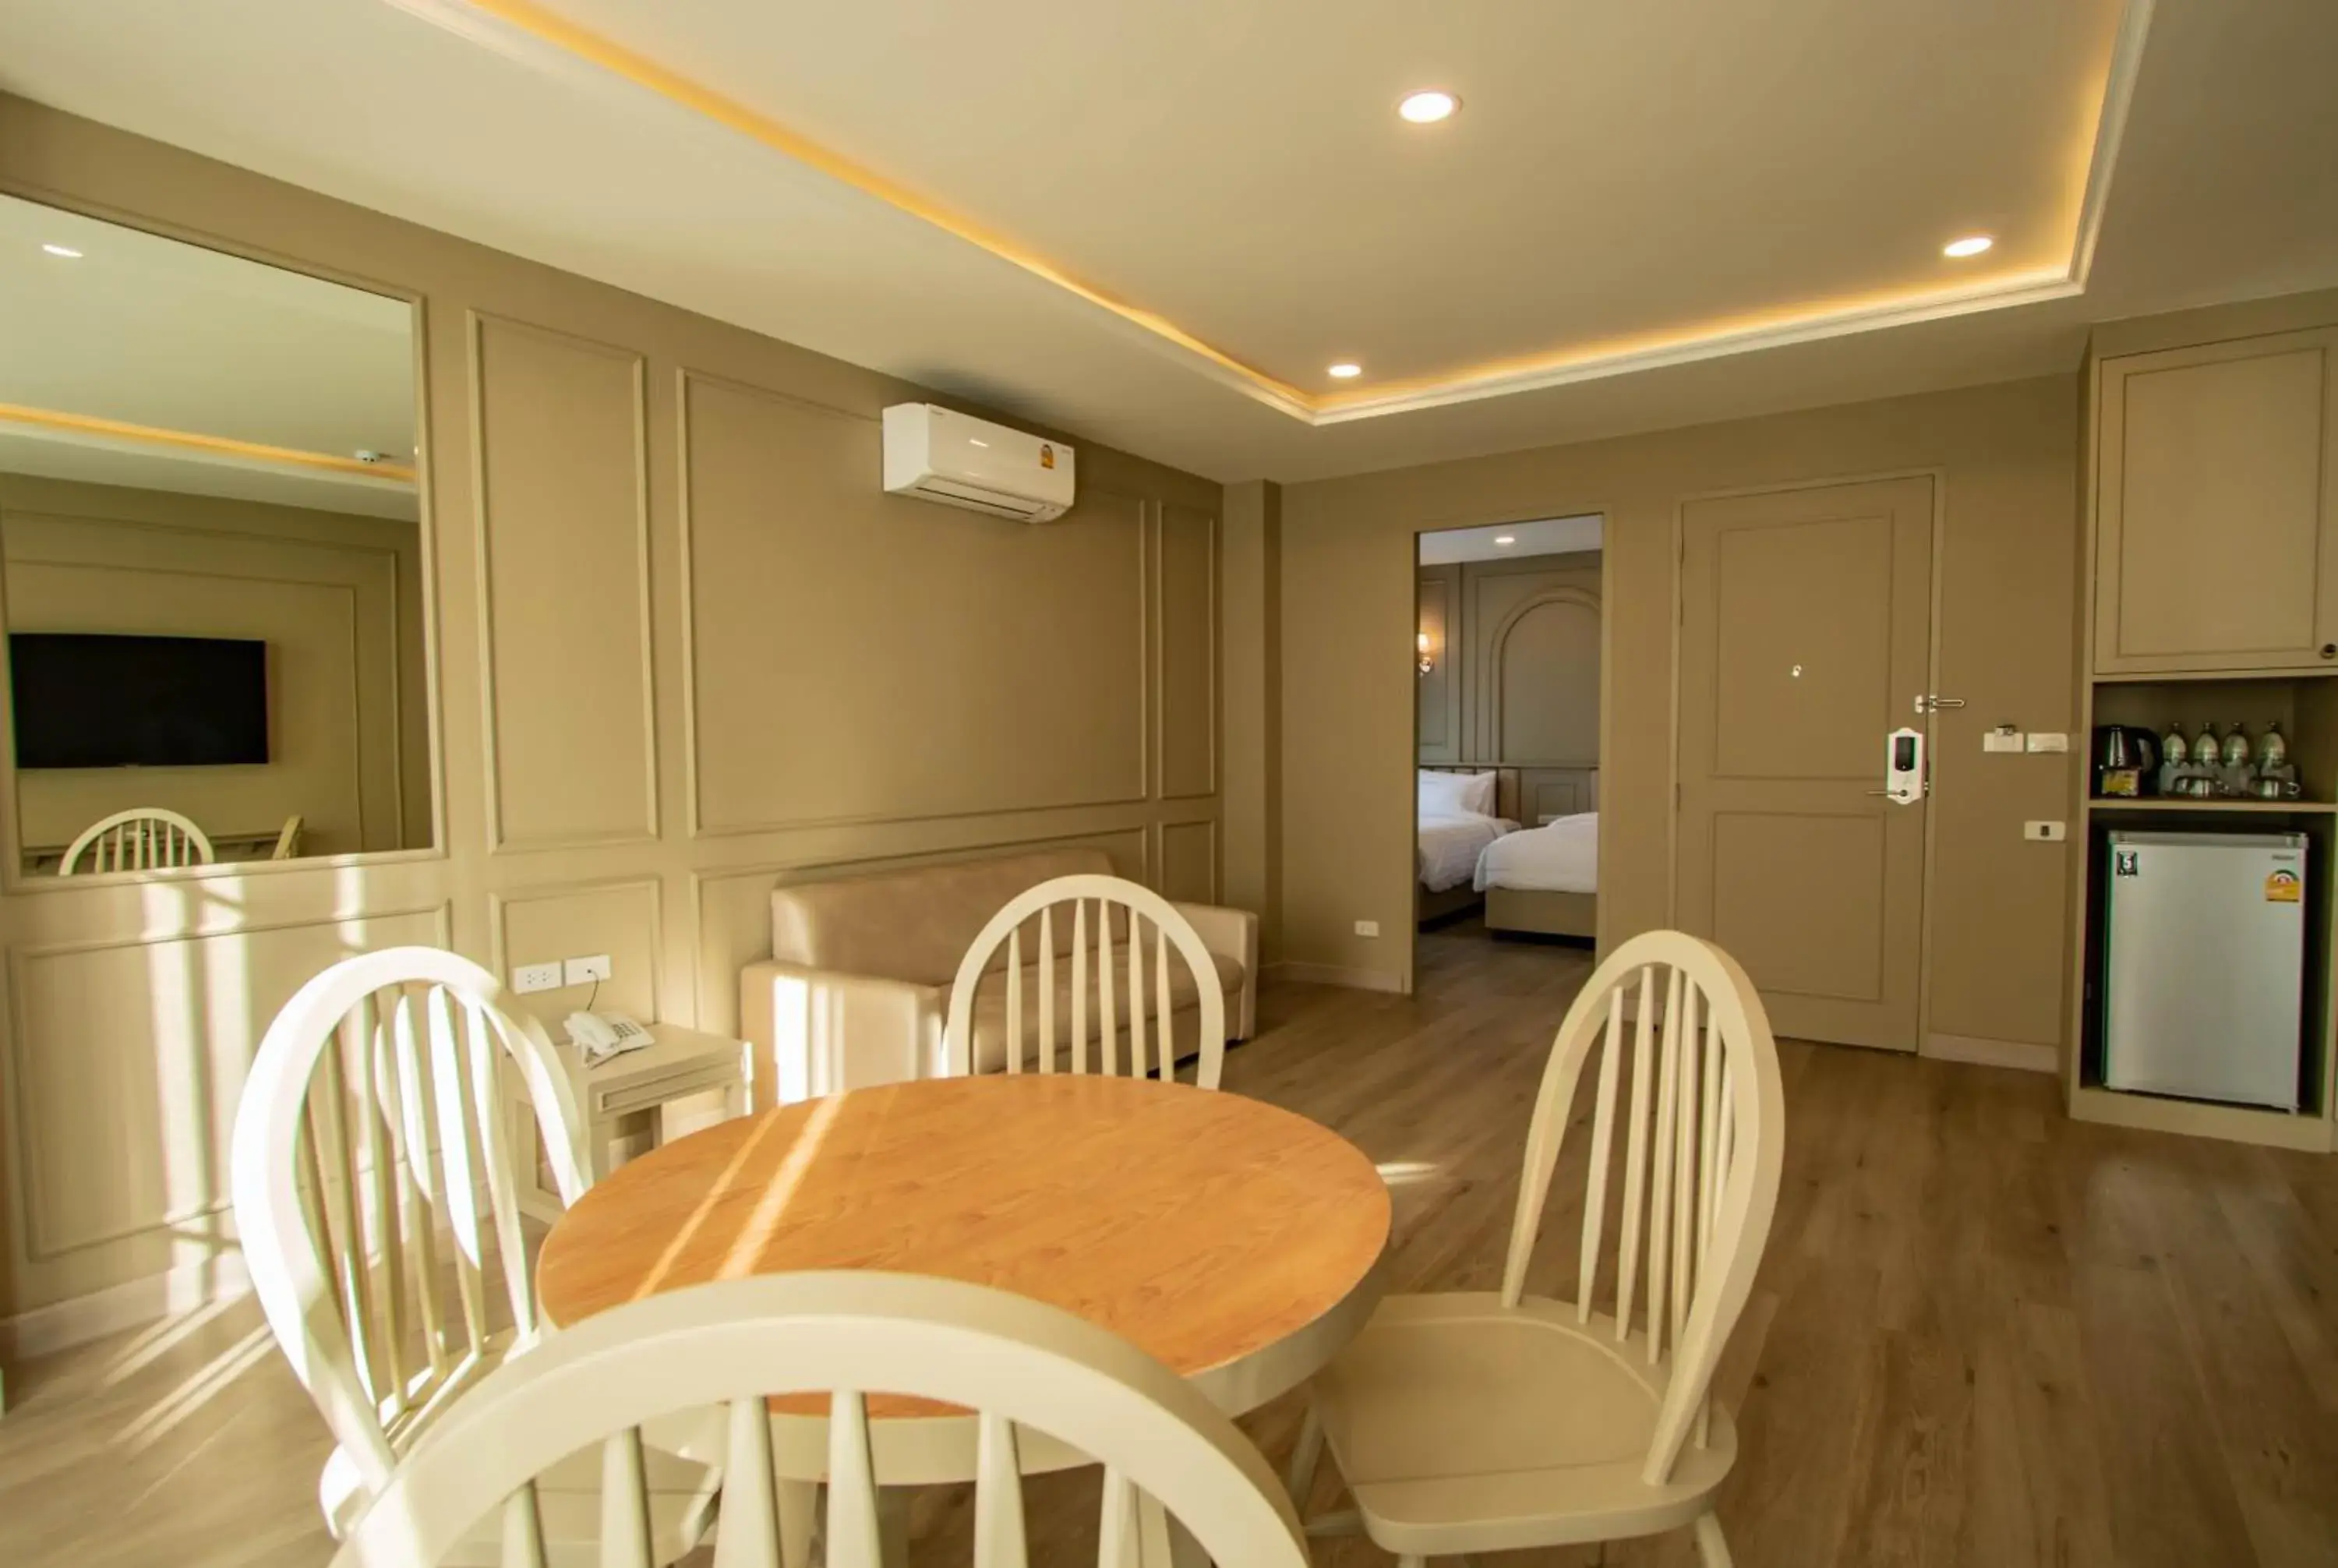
(372, 1157)
(1025, 1366)
(146, 838)
(1467, 1423)
(1106, 952)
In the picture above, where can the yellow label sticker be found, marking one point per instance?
(2283, 887)
(1047, 456)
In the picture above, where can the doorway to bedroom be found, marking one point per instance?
(1506, 645)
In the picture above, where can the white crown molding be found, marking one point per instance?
(2022, 289)
(2110, 131)
(533, 35)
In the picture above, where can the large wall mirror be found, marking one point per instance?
(211, 555)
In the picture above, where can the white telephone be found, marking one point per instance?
(602, 1035)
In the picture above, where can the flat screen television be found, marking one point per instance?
(89, 699)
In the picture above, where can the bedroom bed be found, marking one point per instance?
(1544, 880)
(1459, 811)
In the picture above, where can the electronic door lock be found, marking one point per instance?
(1903, 765)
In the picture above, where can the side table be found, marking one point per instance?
(679, 1064)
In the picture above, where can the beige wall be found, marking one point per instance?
(336, 599)
(684, 651)
(1251, 663)
(1515, 673)
(2005, 590)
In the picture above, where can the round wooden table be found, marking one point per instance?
(1238, 1243)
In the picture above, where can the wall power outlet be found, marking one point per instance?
(528, 978)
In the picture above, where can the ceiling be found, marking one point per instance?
(152, 332)
(141, 465)
(1542, 536)
(1156, 226)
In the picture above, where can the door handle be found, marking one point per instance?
(1927, 703)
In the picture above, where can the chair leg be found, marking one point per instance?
(1300, 1480)
(799, 1505)
(1712, 1551)
(1340, 1522)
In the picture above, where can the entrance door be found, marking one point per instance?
(1805, 638)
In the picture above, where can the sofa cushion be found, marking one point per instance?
(914, 924)
(990, 1005)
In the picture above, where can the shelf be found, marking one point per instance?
(2181, 803)
(2138, 677)
(2201, 1119)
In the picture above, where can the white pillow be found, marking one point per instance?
(1440, 793)
(1456, 794)
(1477, 794)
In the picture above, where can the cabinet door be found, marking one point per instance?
(2216, 503)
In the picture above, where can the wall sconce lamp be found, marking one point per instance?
(1427, 662)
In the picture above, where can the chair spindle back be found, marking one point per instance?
(146, 838)
(1703, 1140)
(1022, 1365)
(372, 1133)
(1109, 958)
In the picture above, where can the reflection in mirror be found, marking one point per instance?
(210, 554)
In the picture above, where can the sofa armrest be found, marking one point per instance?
(1231, 934)
(820, 1031)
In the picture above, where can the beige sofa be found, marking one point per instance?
(858, 983)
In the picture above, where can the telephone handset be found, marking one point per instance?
(602, 1035)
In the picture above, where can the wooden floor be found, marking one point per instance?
(1983, 1334)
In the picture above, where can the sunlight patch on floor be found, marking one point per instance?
(213, 1378)
(160, 1339)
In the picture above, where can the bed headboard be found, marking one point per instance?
(1507, 794)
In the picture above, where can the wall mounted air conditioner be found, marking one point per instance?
(959, 460)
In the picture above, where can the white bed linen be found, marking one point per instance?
(1443, 793)
(1450, 847)
(1562, 856)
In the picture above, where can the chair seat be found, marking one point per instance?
(1463, 1426)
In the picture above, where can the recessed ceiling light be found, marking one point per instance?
(1345, 371)
(1428, 106)
(67, 252)
(1505, 538)
(1971, 245)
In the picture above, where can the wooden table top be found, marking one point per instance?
(1204, 1226)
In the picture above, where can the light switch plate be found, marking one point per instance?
(584, 971)
(2043, 832)
(1368, 927)
(2002, 740)
(530, 977)
(2048, 740)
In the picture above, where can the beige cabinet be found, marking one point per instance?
(2217, 544)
